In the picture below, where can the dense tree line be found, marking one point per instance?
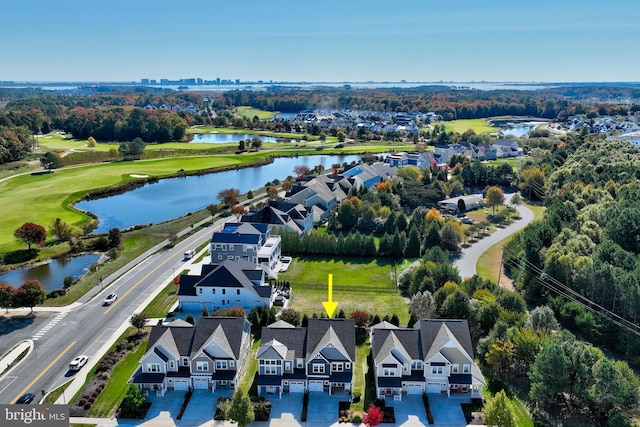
(447, 102)
(588, 241)
(15, 143)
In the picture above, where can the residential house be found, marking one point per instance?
(211, 355)
(422, 160)
(319, 357)
(227, 284)
(461, 204)
(291, 217)
(507, 148)
(435, 356)
(249, 242)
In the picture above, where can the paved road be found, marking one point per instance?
(466, 264)
(87, 327)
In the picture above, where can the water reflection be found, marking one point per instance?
(52, 274)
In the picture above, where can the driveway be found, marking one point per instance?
(466, 264)
(202, 406)
(285, 411)
(323, 409)
(447, 411)
(164, 408)
(409, 412)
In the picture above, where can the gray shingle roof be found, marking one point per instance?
(339, 332)
(294, 339)
(436, 333)
(226, 331)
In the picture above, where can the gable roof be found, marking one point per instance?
(172, 338)
(227, 332)
(434, 334)
(227, 274)
(339, 334)
(293, 338)
(405, 340)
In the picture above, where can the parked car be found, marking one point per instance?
(466, 220)
(25, 399)
(77, 363)
(110, 299)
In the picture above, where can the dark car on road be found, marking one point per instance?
(26, 398)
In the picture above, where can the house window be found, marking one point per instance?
(237, 291)
(337, 367)
(269, 367)
(347, 366)
(416, 365)
(388, 372)
(455, 369)
(172, 365)
(185, 362)
(287, 366)
(318, 368)
(299, 364)
(153, 367)
(221, 364)
(436, 370)
(230, 257)
(199, 290)
(231, 247)
(202, 366)
(232, 363)
(219, 256)
(466, 368)
(224, 291)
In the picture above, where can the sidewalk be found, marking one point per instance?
(8, 358)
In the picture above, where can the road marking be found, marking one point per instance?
(49, 325)
(136, 285)
(62, 353)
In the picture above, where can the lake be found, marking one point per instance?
(519, 130)
(52, 274)
(226, 138)
(174, 197)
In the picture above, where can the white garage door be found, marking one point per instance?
(296, 387)
(180, 385)
(433, 387)
(414, 389)
(200, 384)
(315, 385)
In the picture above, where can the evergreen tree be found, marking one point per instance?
(499, 412)
(241, 409)
(412, 249)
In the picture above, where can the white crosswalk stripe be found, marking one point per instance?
(46, 328)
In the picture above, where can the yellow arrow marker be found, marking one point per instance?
(330, 306)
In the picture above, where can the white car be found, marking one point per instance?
(110, 299)
(78, 363)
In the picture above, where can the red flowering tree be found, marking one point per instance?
(361, 318)
(7, 295)
(373, 416)
(30, 294)
(31, 233)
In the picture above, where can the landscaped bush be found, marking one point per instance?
(262, 409)
(356, 419)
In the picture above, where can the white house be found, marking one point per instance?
(228, 284)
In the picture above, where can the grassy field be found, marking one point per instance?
(358, 284)
(478, 125)
(108, 401)
(250, 113)
(42, 198)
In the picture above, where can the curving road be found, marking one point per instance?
(466, 263)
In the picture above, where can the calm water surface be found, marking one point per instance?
(225, 138)
(51, 275)
(175, 197)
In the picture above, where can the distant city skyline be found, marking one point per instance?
(329, 41)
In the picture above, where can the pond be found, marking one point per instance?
(174, 197)
(52, 274)
(519, 130)
(226, 138)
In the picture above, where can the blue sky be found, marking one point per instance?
(328, 40)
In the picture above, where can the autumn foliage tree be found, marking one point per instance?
(31, 234)
(361, 318)
(30, 294)
(495, 197)
(7, 295)
(229, 196)
(373, 416)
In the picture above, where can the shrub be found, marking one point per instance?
(82, 402)
(92, 399)
(87, 406)
(357, 418)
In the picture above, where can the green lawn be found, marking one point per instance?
(163, 302)
(359, 372)
(250, 112)
(358, 284)
(478, 125)
(108, 401)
